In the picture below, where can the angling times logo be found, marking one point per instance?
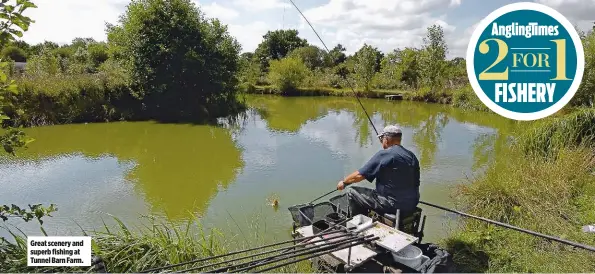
(525, 61)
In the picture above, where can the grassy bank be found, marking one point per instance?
(546, 184)
(94, 97)
(463, 97)
(126, 250)
(321, 91)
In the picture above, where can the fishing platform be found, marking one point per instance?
(392, 97)
(388, 245)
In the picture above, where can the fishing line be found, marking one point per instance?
(537, 234)
(328, 52)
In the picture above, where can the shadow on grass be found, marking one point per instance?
(467, 257)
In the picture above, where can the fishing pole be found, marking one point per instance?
(579, 245)
(344, 236)
(323, 250)
(306, 258)
(293, 253)
(329, 193)
(533, 233)
(347, 79)
(305, 239)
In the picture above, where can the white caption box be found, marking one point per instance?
(59, 251)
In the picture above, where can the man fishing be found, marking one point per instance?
(396, 171)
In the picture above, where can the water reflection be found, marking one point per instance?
(427, 121)
(178, 168)
(295, 148)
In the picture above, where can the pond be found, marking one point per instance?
(294, 149)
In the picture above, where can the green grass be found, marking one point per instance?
(553, 195)
(153, 245)
(574, 129)
(60, 99)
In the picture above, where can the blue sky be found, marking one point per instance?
(386, 24)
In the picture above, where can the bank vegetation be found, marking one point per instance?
(545, 183)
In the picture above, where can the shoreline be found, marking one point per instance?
(461, 97)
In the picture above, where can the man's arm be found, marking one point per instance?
(352, 178)
(368, 171)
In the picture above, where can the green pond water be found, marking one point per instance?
(293, 148)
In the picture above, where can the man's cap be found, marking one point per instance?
(390, 130)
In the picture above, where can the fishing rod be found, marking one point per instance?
(537, 234)
(579, 245)
(293, 254)
(347, 79)
(348, 236)
(306, 258)
(318, 252)
(305, 240)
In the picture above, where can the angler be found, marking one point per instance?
(396, 171)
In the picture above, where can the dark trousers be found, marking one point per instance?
(362, 200)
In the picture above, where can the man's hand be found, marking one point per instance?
(341, 185)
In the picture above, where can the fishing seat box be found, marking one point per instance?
(408, 223)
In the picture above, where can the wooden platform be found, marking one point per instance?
(394, 97)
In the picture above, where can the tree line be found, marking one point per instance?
(186, 67)
(163, 60)
(286, 61)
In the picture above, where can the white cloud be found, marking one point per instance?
(579, 12)
(387, 24)
(259, 5)
(215, 10)
(61, 21)
(249, 35)
(458, 42)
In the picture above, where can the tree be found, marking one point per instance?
(390, 72)
(82, 42)
(336, 56)
(14, 25)
(378, 55)
(409, 66)
(184, 66)
(365, 66)
(249, 69)
(47, 45)
(98, 54)
(276, 45)
(456, 71)
(288, 73)
(433, 56)
(312, 56)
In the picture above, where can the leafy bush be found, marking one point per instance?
(46, 63)
(64, 98)
(288, 73)
(98, 54)
(184, 66)
(325, 78)
(13, 53)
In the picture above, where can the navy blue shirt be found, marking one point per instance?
(396, 171)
